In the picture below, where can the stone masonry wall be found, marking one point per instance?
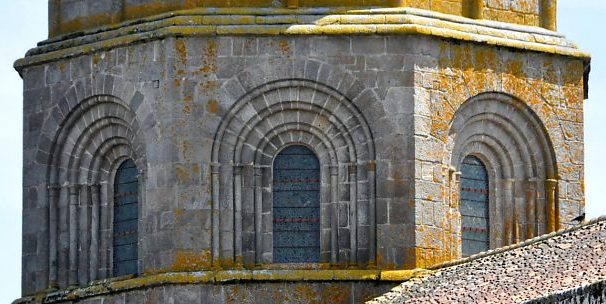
(67, 16)
(448, 76)
(170, 97)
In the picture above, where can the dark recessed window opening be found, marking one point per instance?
(296, 206)
(474, 206)
(126, 217)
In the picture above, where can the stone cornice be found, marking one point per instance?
(310, 21)
(127, 283)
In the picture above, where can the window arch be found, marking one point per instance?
(322, 119)
(126, 218)
(474, 207)
(296, 206)
(516, 150)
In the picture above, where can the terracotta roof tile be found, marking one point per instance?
(540, 267)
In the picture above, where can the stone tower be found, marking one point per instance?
(290, 150)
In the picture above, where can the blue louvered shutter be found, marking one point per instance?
(126, 216)
(474, 206)
(296, 206)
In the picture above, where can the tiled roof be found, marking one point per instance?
(543, 266)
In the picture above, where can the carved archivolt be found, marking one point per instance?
(94, 138)
(508, 137)
(252, 133)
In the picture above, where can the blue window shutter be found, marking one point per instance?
(474, 207)
(126, 217)
(296, 206)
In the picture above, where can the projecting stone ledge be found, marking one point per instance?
(340, 281)
(310, 21)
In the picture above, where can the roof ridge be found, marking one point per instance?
(525, 243)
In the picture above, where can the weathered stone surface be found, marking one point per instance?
(389, 117)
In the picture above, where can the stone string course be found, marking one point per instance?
(318, 21)
(564, 267)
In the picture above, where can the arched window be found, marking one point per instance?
(126, 216)
(296, 206)
(474, 206)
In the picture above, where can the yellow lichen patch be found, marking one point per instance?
(306, 292)
(182, 173)
(190, 260)
(235, 275)
(181, 50)
(284, 46)
(186, 150)
(337, 294)
(213, 106)
(209, 57)
(187, 109)
(96, 59)
(403, 275)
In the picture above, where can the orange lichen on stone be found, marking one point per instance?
(182, 173)
(209, 58)
(191, 260)
(181, 50)
(213, 106)
(284, 46)
(96, 59)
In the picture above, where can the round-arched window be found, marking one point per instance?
(474, 206)
(296, 206)
(126, 218)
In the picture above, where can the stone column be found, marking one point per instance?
(94, 240)
(53, 200)
(531, 207)
(455, 199)
(292, 3)
(54, 17)
(476, 9)
(548, 12)
(353, 212)
(105, 229)
(73, 234)
(508, 211)
(258, 214)
(84, 231)
(399, 3)
(551, 187)
(141, 179)
(372, 218)
(238, 213)
(334, 197)
(214, 175)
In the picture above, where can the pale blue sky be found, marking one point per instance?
(24, 22)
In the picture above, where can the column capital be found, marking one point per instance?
(371, 165)
(334, 170)
(53, 186)
(214, 168)
(73, 188)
